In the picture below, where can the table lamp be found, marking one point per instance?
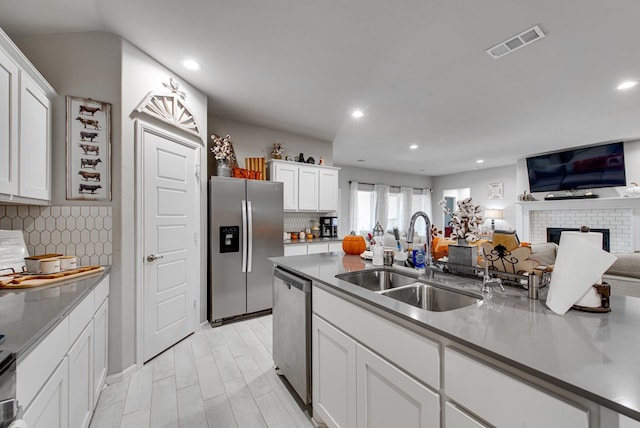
(493, 214)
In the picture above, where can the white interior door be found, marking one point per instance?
(170, 221)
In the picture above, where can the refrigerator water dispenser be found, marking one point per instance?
(229, 239)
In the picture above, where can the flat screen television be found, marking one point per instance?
(582, 168)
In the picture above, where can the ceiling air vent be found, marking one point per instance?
(523, 39)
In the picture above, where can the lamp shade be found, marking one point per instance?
(493, 213)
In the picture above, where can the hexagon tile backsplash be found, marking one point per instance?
(80, 231)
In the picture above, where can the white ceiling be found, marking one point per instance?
(417, 68)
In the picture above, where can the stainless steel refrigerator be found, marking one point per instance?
(246, 225)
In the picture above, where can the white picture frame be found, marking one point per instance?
(495, 191)
(88, 149)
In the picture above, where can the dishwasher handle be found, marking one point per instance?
(298, 282)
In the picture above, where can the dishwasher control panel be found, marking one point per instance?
(229, 239)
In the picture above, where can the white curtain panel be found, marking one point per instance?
(381, 193)
(426, 201)
(406, 203)
(353, 207)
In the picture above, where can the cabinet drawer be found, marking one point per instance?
(456, 418)
(80, 317)
(335, 246)
(35, 369)
(383, 336)
(317, 248)
(101, 292)
(502, 400)
(295, 250)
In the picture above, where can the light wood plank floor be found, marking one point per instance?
(218, 377)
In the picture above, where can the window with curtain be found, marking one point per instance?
(401, 204)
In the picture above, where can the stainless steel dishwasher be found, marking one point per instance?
(292, 330)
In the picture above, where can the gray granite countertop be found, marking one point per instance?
(596, 356)
(26, 315)
(310, 241)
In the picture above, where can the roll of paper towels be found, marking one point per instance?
(580, 263)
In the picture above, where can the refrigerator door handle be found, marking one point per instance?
(250, 237)
(244, 235)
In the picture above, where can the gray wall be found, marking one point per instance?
(478, 181)
(107, 68)
(257, 141)
(374, 176)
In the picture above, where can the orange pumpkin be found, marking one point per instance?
(354, 244)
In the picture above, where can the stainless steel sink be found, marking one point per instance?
(431, 298)
(410, 290)
(378, 279)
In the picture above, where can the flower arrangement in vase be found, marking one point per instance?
(276, 151)
(466, 221)
(224, 154)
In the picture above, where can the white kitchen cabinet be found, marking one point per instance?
(35, 141)
(502, 400)
(388, 397)
(334, 375)
(25, 128)
(295, 250)
(100, 347)
(50, 408)
(335, 246)
(328, 190)
(317, 248)
(9, 75)
(306, 187)
(457, 418)
(80, 358)
(78, 344)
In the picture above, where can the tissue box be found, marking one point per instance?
(466, 255)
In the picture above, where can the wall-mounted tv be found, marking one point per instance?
(581, 168)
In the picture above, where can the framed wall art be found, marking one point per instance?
(88, 149)
(495, 191)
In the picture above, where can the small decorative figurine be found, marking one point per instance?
(301, 158)
(311, 160)
(276, 152)
(321, 161)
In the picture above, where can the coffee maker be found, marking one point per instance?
(328, 227)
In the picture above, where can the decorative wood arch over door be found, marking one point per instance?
(168, 224)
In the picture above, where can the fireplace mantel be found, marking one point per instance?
(621, 214)
(580, 204)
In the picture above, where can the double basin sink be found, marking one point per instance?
(410, 289)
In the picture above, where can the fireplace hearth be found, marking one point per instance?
(553, 235)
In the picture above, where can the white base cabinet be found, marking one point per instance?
(387, 397)
(58, 383)
(360, 380)
(312, 248)
(50, 408)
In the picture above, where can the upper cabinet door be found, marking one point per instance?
(328, 190)
(35, 147)
(8, 125)
(308, 188)
(287, 174)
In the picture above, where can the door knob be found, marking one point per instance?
(153, 257)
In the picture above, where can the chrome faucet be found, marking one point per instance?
(410, 232)
(487, 280)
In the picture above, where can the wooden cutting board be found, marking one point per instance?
(38, 280)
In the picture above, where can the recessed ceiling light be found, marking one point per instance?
(480, 161)
(627, 84)
(361, 160)
(357, 114)
(413, 146)
(191, 64)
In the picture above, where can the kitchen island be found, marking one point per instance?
(505, 360)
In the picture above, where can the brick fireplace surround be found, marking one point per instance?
(620, 215)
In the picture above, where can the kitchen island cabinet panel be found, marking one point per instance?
(100, 348)
(334, 375)
(456, 418)
(503, 400)
(388, 397)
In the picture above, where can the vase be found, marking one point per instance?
(463, 242)
(223, 169)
